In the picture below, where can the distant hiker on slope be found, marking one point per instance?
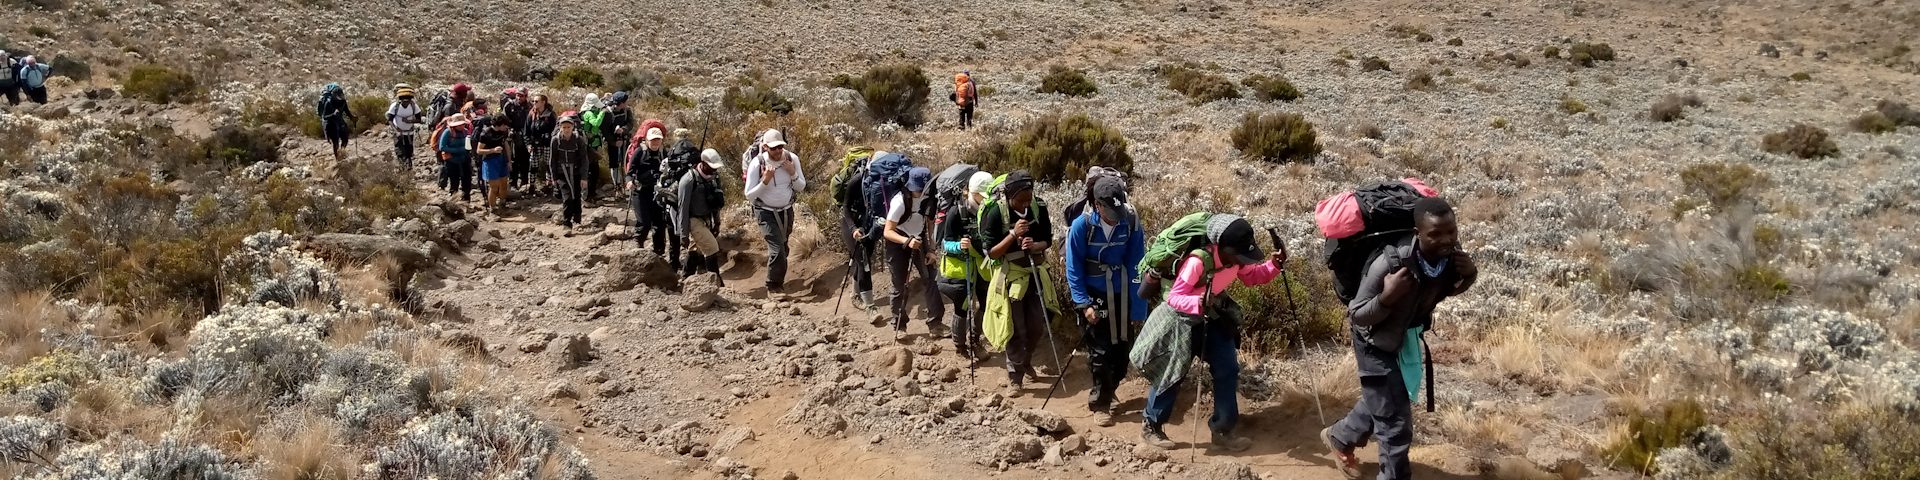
(33, 79)
(698, 214)
(1198, 319)
(569, 164)
(540, 125)
(404, 115)
(1393, 306)
(514, 104)
(907, 236)
(335, 118)
(10, 78)
(1018, 296)
(964, 96)
(1103, 250)
(774, 183)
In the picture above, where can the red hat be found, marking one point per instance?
(461, 88)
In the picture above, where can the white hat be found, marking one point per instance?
(773, 138)
(456, 120)
(653, 134)
(712, 157)
(978, 182)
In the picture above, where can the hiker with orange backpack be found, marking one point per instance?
(964, 95)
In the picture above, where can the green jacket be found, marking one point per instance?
(593, 119)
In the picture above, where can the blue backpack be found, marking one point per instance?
(886, 176)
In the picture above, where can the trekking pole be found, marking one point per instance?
(1294, 309)
(973, 361)
(1040, 270)
(840, 296)
(1193, 431)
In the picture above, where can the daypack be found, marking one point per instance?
(950, 186)
(1187, 236)
(323, 107)
(1359, 223)
(845, 186)
(886, 176)
(437, 109)
(679, 161)
(1084, 203)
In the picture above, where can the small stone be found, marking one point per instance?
(1073, 444)
(595, 376)
(611, 389)
(1053, 456)
(893, 361)
(732, 438)
(876, 438)
(535, 341)
(737, 392)
(1044, 421)
(1101, 461)
(1149, 453)
(956, 404)
(789, 475)
(949, 374)
(602, 334)
(558, 389)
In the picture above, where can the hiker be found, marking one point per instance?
(643, 172)
(568, 165)
(960, 267)
(462, 95)
(965, 95)
(491, 146)
(514, 104)
(1103, 250)
(1391, 310)
(1016, 223)
(698, 214)
(540, 125)
(10, 78)
(455, 158)
(850, 201)
(774, 183)
(335, 118)
(615, 127)
(404, 115)
(33, 79)
(444, 105)
(1199, 320)
(907, 242)
(591, 117)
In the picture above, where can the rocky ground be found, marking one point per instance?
(1610, 284)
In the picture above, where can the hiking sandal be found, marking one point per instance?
(1348, 464)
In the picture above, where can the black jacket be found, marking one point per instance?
(568, 165)
(540, 127)
(616, 118)
(516, 115)
(643, 169)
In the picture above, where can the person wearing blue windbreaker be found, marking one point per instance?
(1103, 253)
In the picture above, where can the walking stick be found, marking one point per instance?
(1041, 274)
(1294, 309)
(973, 360)
(840, 295)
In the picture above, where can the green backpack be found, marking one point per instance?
(996, 201)
(1187, 236)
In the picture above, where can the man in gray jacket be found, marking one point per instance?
(1393, 306)
(698, 216)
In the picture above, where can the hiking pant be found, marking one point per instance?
(900, 261)
(1384, 412)
(403, 149)
(593, 174)
(1217, 344)
(519, 157)
(569, 192)
(336, 130)
(966, 318)
(861, 251)
(966, 116)
(444, 181)
(1028, 315)
(1106, 361)
(775, 227)
(458, 177)
(703, 254)
(652, 220)
(12, 91)
(617, 158)
(37, 95)
(541, 154)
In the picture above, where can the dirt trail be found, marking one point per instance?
(524, 278)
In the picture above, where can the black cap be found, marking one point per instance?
(1110, 191)
(1017, 182)
(1232, 231)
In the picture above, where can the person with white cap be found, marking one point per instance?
(643, 172)
(908, 241)
(698, 214)
(774, 183)
(10, 78)
(960, 267)
(456, 158)
(33, 78)
(404, 115)
(569, 161)
(591, 117)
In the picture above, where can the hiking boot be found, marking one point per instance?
(1228, 442)
(900, 336)
(1348, 464)
(1152, 435)
(1103, 417)
(1013, 390)
(936, 329)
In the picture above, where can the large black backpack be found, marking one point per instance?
(886, 176)
(1387, 208)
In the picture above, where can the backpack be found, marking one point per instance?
(886, 176)
(1084, 203)
(950, 186)
(678, 163)
(845, 186)
(437, 109)
(326, 98)
(639, 138)
(1187, 236)
(1359, 223)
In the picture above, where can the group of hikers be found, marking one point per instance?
(982, 242)
(25, 74)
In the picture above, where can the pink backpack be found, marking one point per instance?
(1340, 216)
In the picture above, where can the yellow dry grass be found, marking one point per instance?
(310, 451)
(21, 322)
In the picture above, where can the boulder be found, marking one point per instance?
(1073, 444)
(458, 232)
(893, 362)
(559, 389)
(535, 341)
(1043, 421)
(611, 389)
(635, 267)
(817, 412)
(570, 351)
(1015, 449)
(700, 293)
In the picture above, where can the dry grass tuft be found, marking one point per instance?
(311, 451)
(25, 316)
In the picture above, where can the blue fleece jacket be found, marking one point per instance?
(1088, 243)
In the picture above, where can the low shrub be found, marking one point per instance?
(1899, 113)
(1800, 140)
(894, 93)
(1762, 281)
(1272, 88)
(1277, 138)
(1286, 313)
(1369, 64)
(1853, 442)
(1067, 81)
(1673, 107)
(1572, 106)
(369, 111)
(1058, 148)
(237, 145)
(751, 99)
(1200, 87)
(1551, 51)
(577, 76)
(1673, 425)
(1588, 54)
(1874, 122)
(1722, 185)
(1800, 77)
(1455, 42)
(1420, 80)
(160, 84)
